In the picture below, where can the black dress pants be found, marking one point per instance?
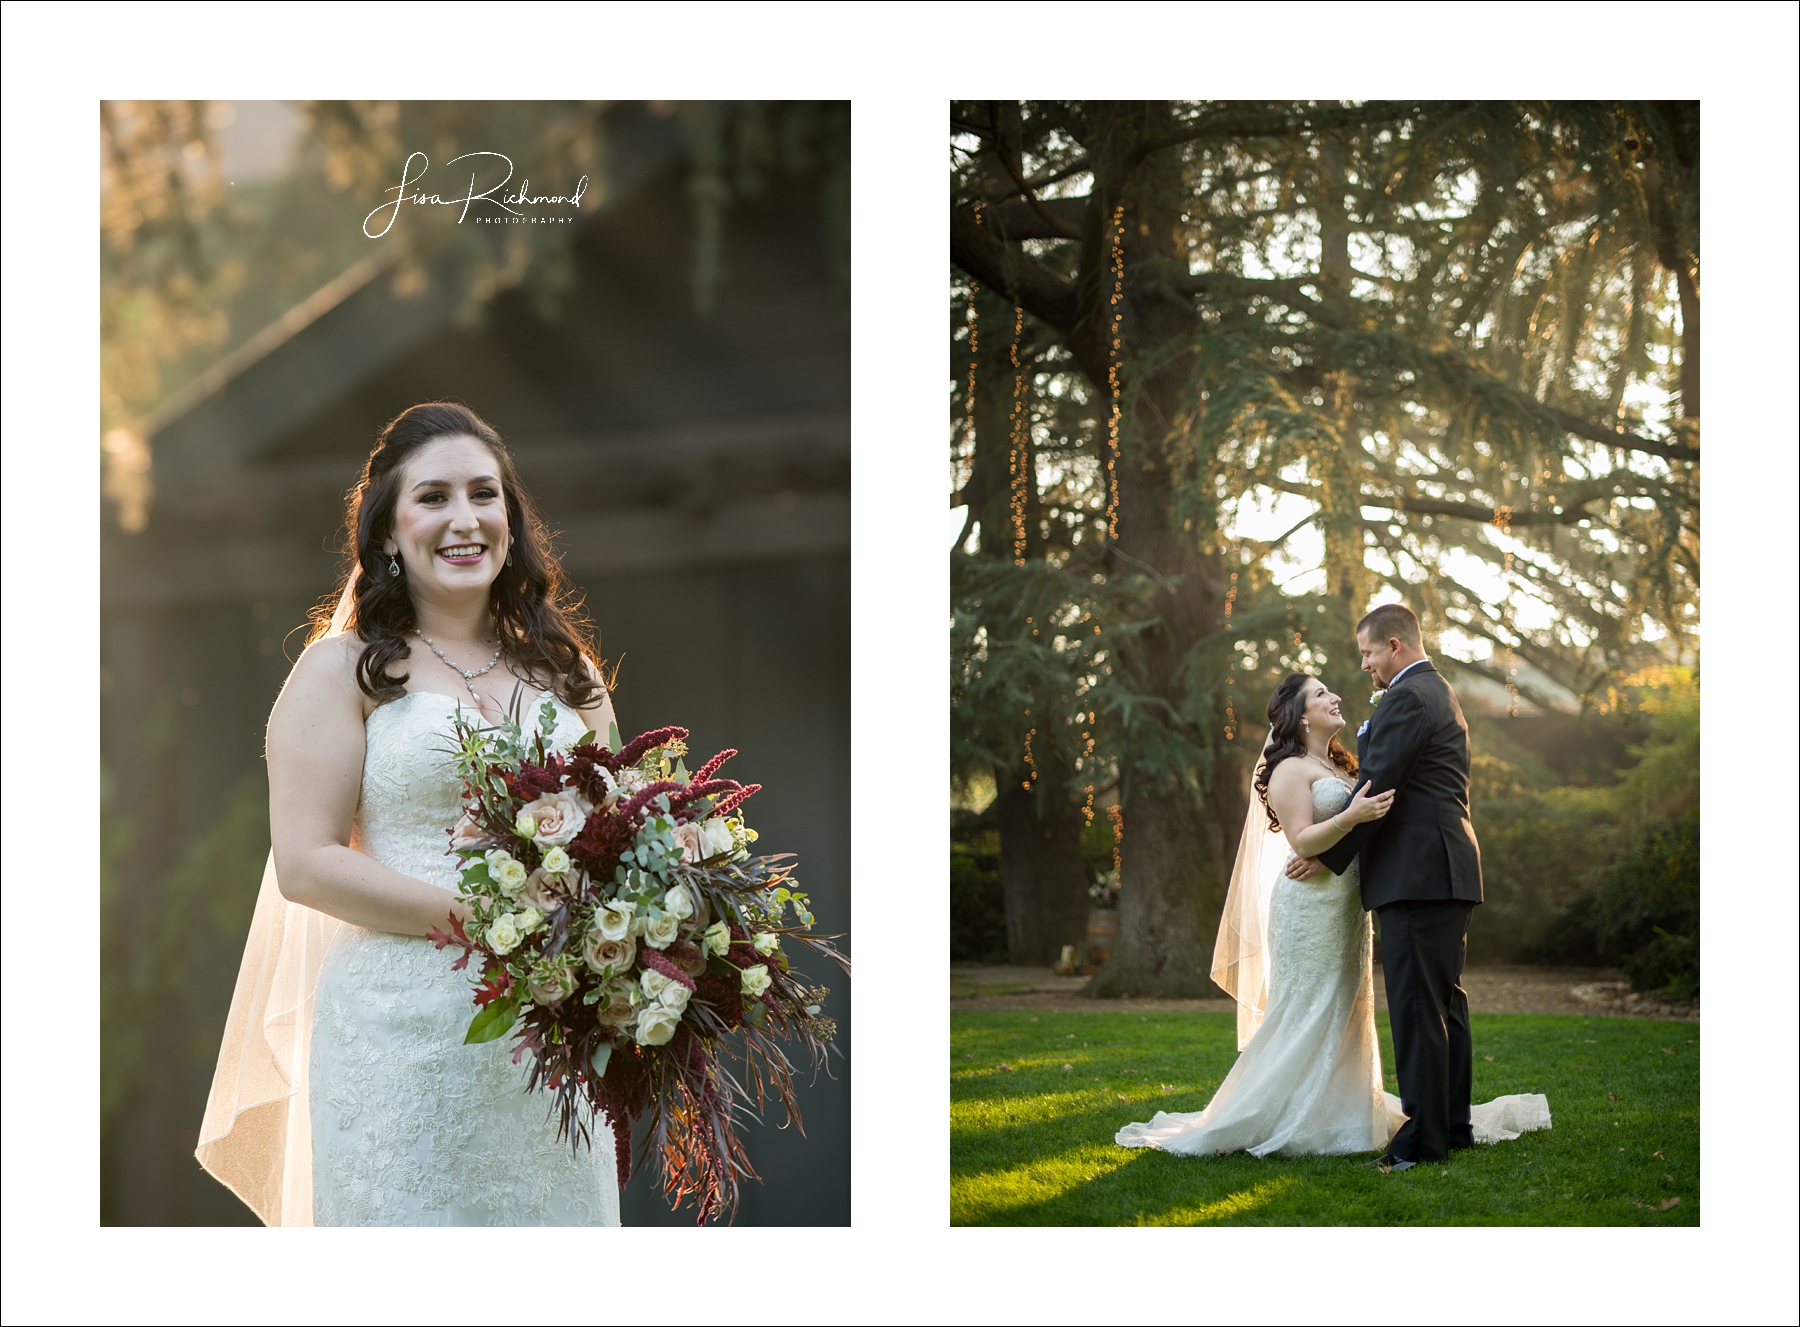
(1422, 948)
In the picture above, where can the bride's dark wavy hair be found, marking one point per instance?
(542, 631)
(1286, 708)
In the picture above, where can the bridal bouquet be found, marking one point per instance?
(623, 931)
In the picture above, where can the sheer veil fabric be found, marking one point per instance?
(1240, 962)
(256, 1136)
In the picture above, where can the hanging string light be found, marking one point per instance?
(1115, 314)
(1116, 814)
(1030, 764)
(1019, 457)
(1087, 735)
(1503, 523)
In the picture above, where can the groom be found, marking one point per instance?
(1421, 871)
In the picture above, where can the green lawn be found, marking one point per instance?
(1035, 1101)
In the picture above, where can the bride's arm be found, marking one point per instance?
(315, 777)
(1290, 793)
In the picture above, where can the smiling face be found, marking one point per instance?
(450, 527)
(1321, 712)
(1378, 658)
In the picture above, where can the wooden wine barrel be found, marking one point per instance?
(1102, 927)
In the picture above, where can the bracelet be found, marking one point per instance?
(1334, 824)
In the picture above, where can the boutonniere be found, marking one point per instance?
(1375, 696)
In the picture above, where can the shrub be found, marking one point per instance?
(1649, 906)
(1541, 853)
(977, 906)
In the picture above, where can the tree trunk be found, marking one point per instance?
(1041, 875)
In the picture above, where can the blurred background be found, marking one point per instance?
(669, 361)
(1224, 376)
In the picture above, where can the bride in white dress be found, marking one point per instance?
(344, 1093)
(1296, 955)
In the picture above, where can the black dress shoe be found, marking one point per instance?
(1390, 1163)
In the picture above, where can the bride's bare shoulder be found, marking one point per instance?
(326, 671)
(1289, 772)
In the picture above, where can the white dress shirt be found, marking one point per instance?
(1404, 671)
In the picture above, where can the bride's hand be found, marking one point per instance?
(1363, 807)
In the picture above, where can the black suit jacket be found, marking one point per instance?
(1418, 745)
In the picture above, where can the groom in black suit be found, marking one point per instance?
(1421, 872)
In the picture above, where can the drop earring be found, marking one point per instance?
(393, 566)
(1306, 724)
(509, 557)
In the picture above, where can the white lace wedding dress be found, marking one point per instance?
(410, 1127)
(1309, 1081)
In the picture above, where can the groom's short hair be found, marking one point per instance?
(1391, 620)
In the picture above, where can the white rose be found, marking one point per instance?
(525, 826)
(678, 903)
(718, 938)
(756, 979)
(675, 996)
(556, 817)
(766, 942)
(507, 871)
(503, 934)
(615, 920)
(718, 838)
(556, 862)
(655, 1025)
(661, 932)
(529, 921)
(655, 983)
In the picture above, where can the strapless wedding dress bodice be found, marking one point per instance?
(1309, 1081)
(410, 1126)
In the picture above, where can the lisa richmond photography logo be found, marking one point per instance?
(492, 205)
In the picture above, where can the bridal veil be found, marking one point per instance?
(1241, 953)
(256, 1136)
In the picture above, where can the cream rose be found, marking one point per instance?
(554, 988)
(540, 892)
(661, 932)
(675, 996)
(687, 957)
(617, 1009)
(655, 1025)
(556, 862)
(529, 920)
(467, 835)
(503, 934)
(692, 842)
(602, 954)
(525, 825)
(766, 942)
(678, 903)
(756, 979)
(557, 817)
(718, 938)
(614, 920)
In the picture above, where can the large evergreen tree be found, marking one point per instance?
(1466, 333)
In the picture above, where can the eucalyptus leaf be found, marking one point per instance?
(602, 1054)
(612, 737)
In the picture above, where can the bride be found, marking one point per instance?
(1296, 955)
(344, 1094)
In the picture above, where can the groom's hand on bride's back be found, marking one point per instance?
(1301, 867)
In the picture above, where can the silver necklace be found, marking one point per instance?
(467, 677)
(1326, 763)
